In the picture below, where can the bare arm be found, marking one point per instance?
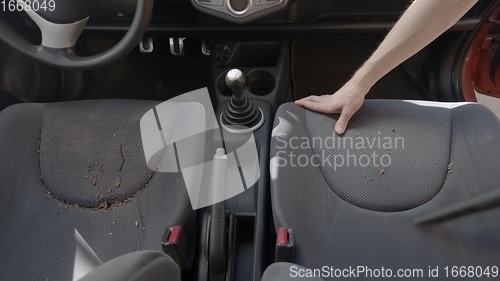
(421, 24)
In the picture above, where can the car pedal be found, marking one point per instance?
(177, 46)
(206, 46)
(146, 45)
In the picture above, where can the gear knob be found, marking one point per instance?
(240, 111)
(236, 81)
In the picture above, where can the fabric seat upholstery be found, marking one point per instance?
(137, 266)
(103, 202)
(284, 271)
(362, 215)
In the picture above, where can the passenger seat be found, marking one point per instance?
(352, 200)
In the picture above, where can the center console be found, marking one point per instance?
(265, 63)
(250, 80)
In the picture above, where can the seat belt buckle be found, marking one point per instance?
(174, 244)
(285, 245)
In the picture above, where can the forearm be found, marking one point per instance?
(421, 24)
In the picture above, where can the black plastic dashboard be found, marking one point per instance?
(276, 18)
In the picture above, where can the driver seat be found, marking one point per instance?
(77, 197)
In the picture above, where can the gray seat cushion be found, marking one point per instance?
(363, 215)
(137, 266)
(46, 234)
(390, 146)
(285, 271)
(91, 152)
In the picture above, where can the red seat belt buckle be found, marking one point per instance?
(175, 245)
(282, 236)
(285, 245)
(173, 236)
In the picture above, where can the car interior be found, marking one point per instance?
(88, 88)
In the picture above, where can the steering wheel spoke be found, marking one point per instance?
(58, 39)
(54, 35)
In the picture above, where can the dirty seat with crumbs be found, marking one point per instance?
(76, 193)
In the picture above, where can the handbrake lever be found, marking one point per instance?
(218, 230)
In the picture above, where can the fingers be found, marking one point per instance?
(341, 124)
(312, 98)
(326, 104)
(313, 105)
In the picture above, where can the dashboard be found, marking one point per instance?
(247, 18)
(244, 11)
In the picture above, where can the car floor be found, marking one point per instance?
(155, 76)
(323, 65)
(318, 66)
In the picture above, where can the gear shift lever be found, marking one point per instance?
(236, 81)
(240, 111)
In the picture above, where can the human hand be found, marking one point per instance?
(346, 101)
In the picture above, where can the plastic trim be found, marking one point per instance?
(243, 131)
(57, 36)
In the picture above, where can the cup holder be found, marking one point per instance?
(261, 82)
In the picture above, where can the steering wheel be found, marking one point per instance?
(60, 29)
